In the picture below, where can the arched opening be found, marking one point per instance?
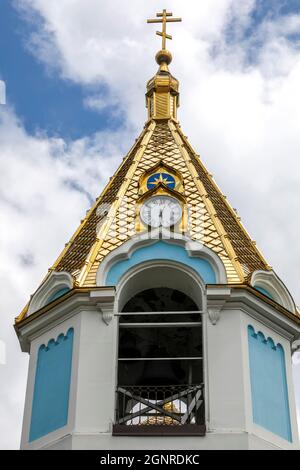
(160, 339)
(160, 361)
(163, 299)
(159, 273)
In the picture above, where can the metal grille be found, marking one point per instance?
(168, 405)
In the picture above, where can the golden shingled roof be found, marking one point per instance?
(218, 228)
(112, 219)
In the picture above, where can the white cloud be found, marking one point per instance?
(243, 116)
(41, 181)
(103, 102)
(2, 92)
(40, 207)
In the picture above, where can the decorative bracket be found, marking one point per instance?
(216, 299)
(105, 300)
(214, 313)
(296, 346)
(107, 312)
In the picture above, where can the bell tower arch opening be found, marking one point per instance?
(160, 383)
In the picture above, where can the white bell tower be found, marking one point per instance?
(160, 320)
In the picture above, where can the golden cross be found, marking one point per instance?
(164, 18)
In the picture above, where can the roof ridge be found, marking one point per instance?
(65, 261)
(115, 205)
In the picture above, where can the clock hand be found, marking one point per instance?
(165, 216)
(160, 215)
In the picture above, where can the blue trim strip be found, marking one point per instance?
(52, 386)
(161, 250)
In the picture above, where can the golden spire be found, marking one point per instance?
(162, 97)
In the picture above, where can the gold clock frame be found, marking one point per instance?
(162, 190)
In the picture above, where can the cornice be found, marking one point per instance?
(58, 311)
(245, 298)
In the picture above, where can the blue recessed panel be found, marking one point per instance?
(52, 386)
(264, 291)
(161, 251)
(58, 294)
(270, 404)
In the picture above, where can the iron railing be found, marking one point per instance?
(167, 405)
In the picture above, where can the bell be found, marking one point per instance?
(157, 419)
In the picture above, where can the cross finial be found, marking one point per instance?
(164, 18)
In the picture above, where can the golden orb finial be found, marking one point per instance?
(163, 57)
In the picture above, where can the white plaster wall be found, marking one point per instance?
(226, 399)
(93, 383)
(212, 441)
(96, 374)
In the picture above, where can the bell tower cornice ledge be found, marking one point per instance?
(78, 300)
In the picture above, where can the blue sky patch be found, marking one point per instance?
(251, 35)
(41, 99)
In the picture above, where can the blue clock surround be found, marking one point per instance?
(156, 178)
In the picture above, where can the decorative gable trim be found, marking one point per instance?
(270, 282)
(53, 283)
(194, 250)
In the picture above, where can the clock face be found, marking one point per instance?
(161, 211)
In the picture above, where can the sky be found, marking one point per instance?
(75, 73)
